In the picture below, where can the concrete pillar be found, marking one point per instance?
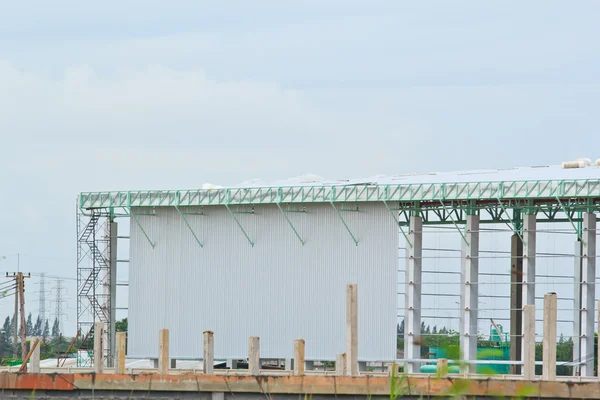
(299, 356)
(516, 301)
(469, 293)
(588, 293)
(529, 249)
(529, 342)
(578, 305)
(412, 293)
(112, 301)
(352, 329)
(340, 364)
(163, 351)
(121, 340)
(549, 343)
(35, 358)
(99, 347)
(208, 362)
(442, 367)
(253, 355)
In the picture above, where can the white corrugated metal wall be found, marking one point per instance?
(279, 289)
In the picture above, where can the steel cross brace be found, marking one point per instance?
(456, 226)
(513, 228)
(189, 227)
(239, 225)
(577, 231)
(290, 223)
(141, 228)
(343, 222)
(398, 222)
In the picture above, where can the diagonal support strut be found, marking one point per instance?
(239, 225)
(189, 227)
(398, 222)
(141, 227)
(456, 226)
(343, 222)
(290, 223)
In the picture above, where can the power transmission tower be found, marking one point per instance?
(42, 308)
(58, 303)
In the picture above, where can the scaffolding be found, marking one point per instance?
(93, 278)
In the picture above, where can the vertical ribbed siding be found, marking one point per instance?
(278, 289)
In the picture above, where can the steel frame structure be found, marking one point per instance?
(93, 258)
(465, 205)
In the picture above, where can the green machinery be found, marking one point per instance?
(497, 348)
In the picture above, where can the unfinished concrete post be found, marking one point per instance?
(254, 355)
(588, 293)
(35, 358)
(98, 347)
(528, 342)
(412, 294)
(340, 364)
(299, 356)
(352, 330)
(549, 343)
(121, 340)
(442, 367)
(163, 351)
(208, 363)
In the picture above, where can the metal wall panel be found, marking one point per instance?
(279, 289)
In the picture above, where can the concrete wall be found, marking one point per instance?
(279, 290)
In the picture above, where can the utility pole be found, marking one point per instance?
(20, 305)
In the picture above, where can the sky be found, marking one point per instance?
(144, 95)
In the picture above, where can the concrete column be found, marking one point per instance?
(35, 358)
(121, 340)
(98, 347)
(588, 293)
(549, 344)
(112, 301)
(469, 293)
(253, 355)
(340, 364)
(442, 367)
(163, 351)
(412, 293)
(299, 356)
(208, 362)
(529, 249)
(352, 329)
(578, 305)
(528, 342)
(516, 301)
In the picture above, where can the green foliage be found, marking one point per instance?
(121, 326)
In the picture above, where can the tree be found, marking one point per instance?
(55, 328)
(37, 328)
(121, 326)
(401, 330)
(29, 325)
(46, 330)
(434, 331)
(6, 326)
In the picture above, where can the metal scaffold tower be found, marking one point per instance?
(94, 295)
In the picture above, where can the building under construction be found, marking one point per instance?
(274, 260)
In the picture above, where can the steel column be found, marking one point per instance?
(412, 304)
(469, 293)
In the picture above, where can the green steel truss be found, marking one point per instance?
(437, 204)
(499, 191)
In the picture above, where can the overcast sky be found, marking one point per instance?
(144, 94)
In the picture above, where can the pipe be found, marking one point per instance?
(579, 163)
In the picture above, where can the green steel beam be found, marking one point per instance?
(189, 227)
(515, 228)
(290, 224)
(434, 192)
(399, 224)
(141, 228)
(344, 222)
(239, 225)
(464, 237)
